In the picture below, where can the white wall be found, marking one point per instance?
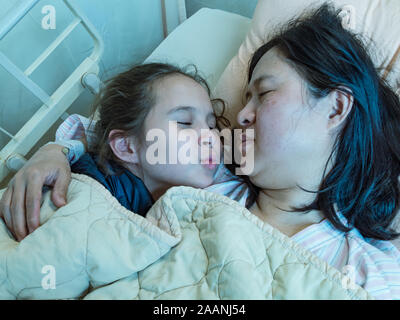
(242, 7)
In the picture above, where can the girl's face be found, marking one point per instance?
(183, 104)
(292, 141)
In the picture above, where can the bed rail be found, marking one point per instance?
(55, 105)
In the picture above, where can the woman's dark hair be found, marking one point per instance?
(363, 181)
(126, 100)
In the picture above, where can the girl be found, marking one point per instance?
(145, 98)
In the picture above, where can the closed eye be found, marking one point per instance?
(264, 93)
(185, 123)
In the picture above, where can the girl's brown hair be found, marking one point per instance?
(126, 100)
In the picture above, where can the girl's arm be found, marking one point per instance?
(49, 166)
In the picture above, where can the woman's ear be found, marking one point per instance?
(341, 103)
(124, 147)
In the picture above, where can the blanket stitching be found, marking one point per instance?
(208, 259)
(36, 287)
(280, 237)
(293, 247)
(58, 284)
(189, 285)
(105, 219)
(200, 280)
(141, 221)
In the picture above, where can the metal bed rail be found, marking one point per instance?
(55, 105)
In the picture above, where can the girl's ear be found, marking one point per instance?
(124, 147)
(342, 101)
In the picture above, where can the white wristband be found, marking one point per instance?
(76, 149)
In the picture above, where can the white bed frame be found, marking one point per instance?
(55, 105)
(85, 76)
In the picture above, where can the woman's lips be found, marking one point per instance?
(248, 136)
(247, 140)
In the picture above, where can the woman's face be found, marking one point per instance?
(292, 142)
(182, 101)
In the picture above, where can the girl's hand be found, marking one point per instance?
(20, 203)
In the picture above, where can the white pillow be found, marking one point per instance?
(209, 39)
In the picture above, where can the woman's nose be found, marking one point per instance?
(247, 116)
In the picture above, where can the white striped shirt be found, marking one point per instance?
(373, 264)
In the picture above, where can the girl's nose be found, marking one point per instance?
(247, 116)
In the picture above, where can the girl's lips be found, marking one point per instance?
(209, 163)
(210, 166)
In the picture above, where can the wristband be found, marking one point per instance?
(73, 149)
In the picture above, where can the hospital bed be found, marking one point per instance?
(208, 39)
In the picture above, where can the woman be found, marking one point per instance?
(326, 157)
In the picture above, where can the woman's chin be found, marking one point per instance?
(204, 183)
(257, 180)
